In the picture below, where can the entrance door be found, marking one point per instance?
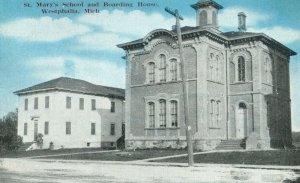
(241, 121)
(35, 130)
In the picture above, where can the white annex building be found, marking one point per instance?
(71, 113)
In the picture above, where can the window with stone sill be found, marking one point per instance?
(162, 113)
(173, 70)
(174, 113)
(151, 73)
(241, 69)
(162, 68)
(151, 115)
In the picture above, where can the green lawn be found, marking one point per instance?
(20, 154)
(122, 155)
(272, 157)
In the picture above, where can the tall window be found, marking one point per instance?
(68, 128)
(81, 103)
(46, 130)
(174, 113)
(241, 69)
(112, 107)
(26, 104)
(68, 102)
(203, 17)
(268, 70)
(214, 18)
(173, 70)
(151, 114)
(151, 73)
(218, 112)
(25, 128)
(112, 129)
(93, 128)
(93, 103)
(162, 113)
(47, 102)
(211, 113)
(36, 103)
(162, 68)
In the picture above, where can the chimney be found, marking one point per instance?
(242, 22)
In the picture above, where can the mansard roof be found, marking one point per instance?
(76, 86)
(226, 38)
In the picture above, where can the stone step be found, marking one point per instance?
(231, 144)
(25, 146)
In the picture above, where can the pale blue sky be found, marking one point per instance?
(35, 48)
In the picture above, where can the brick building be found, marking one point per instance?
(238, 86)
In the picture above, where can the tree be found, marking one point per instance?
(9, 139)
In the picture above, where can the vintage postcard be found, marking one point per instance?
(165, 91)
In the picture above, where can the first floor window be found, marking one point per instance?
(112, 129)
(93, 128)
(162, 113)
(25, 128)
(174, 113)
(68, 128)
(151, 116)
(46, 132)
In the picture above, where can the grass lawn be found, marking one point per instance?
(122, 155)
(272, 157)
(20, 154)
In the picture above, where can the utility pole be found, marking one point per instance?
(184, 88)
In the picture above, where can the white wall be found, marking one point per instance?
(58, 115)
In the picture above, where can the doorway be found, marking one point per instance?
(241, 121)
(35, 130)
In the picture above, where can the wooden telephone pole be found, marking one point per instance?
(184, 87)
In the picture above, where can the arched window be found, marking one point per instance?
(241, 69)
(151, 114)
(214, 18)
(162, 68)
(218, 112)
(173, 70)
(151, 73)
(174, 113)
(162, 113)
(217, 69)
(211, 113)
(203, 18)
(242, 106)
(211, 67)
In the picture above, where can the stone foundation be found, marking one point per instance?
(203, 145)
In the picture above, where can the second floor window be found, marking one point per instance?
(151, 73)
(81, 103)
(112, 107)
(93, 128)
(26, 104)
(241, 69)
(173, 70)
(36, 103)
(47, 102)
(25, 128)
(93, 103)
(162, 68)
(46, 130)
(68, 103)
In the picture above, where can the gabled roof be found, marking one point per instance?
(74, 85)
